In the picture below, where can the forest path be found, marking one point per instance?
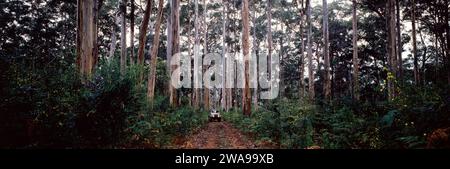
(218, 135)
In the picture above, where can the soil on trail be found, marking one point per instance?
(218, 135)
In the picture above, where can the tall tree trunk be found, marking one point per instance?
(447, 61)
(355, 54)
(316, 57)
(399, 42)
(206, 103)
(188, 34)
(112, 45)
(310, 59)
(229, 77)
(237, 98)
(301, 87)
(154, 54)
(87, 50)
(175, 41)
(189, 50)
(414, 41)
(197, 60)
(143, 32)
(123, 38)
(424, 59)
(436, 60)
(246, 53)
(132, 32)
(327, 84)
(169, 45)
(97, 6)
(255, 67)
(282, 56)
(392, 52)
(235, 49)
(269, 39)
(224, 64)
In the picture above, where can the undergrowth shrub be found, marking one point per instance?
(282, 123)
(404, 122)
(108, 111)
(156, 129)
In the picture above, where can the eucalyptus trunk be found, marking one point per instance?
(355, 54)
(87, 50)
(246, 52)
(327, 84)
(154, 54)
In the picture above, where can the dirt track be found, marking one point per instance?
(218, 135)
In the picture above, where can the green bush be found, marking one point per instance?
(39, 109)
(283, 123)
(415, 113)
(156, 129)
(342, 128)
(107, 111)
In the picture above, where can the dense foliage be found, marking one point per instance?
(404, 123)
(108, 111)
